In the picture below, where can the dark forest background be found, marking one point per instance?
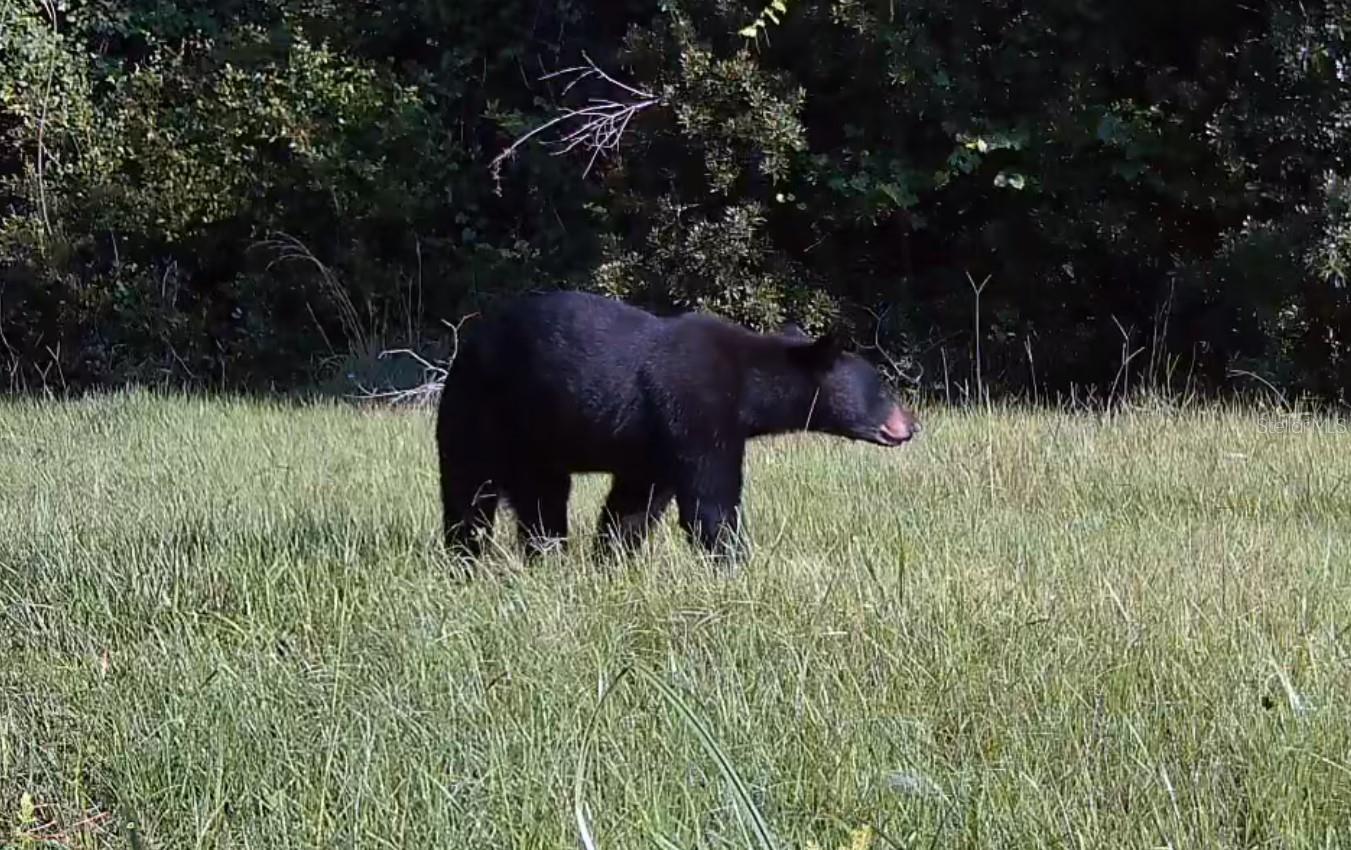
(268, 193)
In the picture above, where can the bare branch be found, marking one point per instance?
(434, 374)
(900, 372)
(599, 127)
(591, 69)
(42, 153)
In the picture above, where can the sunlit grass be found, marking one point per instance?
(227, 624)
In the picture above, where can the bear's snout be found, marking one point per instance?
(899, 427)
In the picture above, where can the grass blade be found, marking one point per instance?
(751, 816)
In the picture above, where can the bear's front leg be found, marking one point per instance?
(708, 496)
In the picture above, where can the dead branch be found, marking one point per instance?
(598, 127)
(878, 318)
(434, 374)
(42, 155)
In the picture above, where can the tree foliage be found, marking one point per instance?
(252, 190)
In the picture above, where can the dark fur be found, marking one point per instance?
(567, 383)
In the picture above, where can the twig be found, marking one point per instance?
(1127, 356)
(978, 289)
(42, 132)
(886, 355)
(434, 375)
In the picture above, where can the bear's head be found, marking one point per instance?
(850, 398)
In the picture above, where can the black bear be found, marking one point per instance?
(566, 382)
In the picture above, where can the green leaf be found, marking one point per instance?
(898, 195)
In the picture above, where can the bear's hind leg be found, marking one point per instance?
(469, 506)
(541, 508)
(634, 505)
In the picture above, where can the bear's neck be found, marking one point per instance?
(778, 399)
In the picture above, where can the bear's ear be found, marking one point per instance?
(792, 331)
(820, 354)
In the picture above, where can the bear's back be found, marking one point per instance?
(560, 374)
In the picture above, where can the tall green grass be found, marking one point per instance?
(229, 624)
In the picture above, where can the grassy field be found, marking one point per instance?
(225, 624)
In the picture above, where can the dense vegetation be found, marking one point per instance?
(230, 192)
